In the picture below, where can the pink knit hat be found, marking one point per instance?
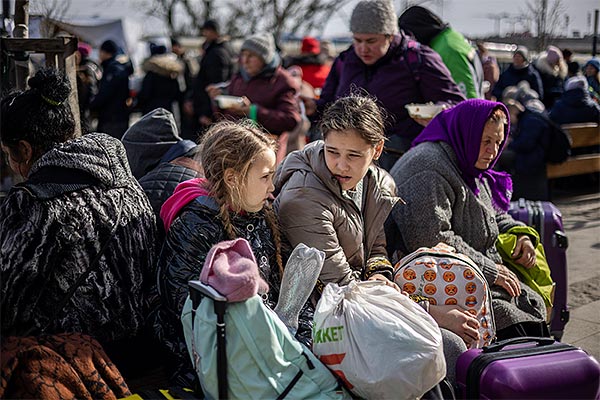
(231, 269)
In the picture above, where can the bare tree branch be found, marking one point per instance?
(244, 17)
(546, 18)
(50, 10)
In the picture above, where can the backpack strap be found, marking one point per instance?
(296, 378)
(198, 291)
(413, 58)
(220, 307)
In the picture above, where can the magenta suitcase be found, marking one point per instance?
(528, 368)
(547, 220)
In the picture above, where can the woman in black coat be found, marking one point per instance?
(160, 87)
(78, 196)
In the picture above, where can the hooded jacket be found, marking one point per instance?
(314, 68)
(575, 106)
(193, 226)
(459, 56)
(421, 23)
(312, 210)
(149, 139)
(160, 87)
(151, 144)
(54, 225)
(392, 81)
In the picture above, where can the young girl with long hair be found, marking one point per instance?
(333, 197)
(230, 202)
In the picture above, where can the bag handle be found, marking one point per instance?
(541, 341)
(198, 290)
(82, 277)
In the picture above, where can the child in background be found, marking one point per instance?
(230, 202)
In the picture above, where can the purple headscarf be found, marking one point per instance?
(462, 128)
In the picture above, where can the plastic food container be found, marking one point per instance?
(229, 101)
(425, 111)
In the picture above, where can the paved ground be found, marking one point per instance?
(581, 218)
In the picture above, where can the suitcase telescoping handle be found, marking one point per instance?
(197, 291)
(541, 341)
(493, 353)
(205, 290)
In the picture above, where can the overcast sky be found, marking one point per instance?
(471, 17)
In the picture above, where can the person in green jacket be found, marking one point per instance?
(459, 56)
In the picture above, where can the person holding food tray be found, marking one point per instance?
(262, 90)
(394, 69)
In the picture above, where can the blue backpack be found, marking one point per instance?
(261, 359)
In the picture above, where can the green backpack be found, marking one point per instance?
(262, 359)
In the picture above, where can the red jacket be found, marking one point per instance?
(315, 74)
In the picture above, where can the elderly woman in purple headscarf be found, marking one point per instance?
(454, 196)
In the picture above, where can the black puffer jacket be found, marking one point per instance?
(160, 87)
(159, 184)
(217, 65)
(53, 226)
(190, 237)
(113, 91)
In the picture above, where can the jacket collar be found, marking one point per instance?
(312, 160)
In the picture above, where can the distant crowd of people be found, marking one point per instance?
(419, 58)
(136, 209)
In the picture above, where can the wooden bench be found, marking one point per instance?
(582, 135)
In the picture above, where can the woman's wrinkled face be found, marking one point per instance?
(491, 140)
(370, 47)
(348, 156)
(251, 62)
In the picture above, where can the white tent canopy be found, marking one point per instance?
(126, 33)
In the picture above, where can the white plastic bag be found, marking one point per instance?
(380, 342)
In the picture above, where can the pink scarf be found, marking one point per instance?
(184, 193)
